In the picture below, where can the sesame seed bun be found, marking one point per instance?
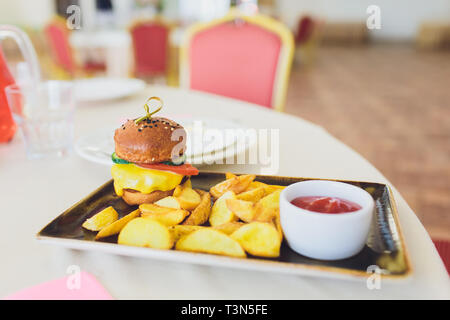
(149, 141)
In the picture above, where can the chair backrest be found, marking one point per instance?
(58, 39)
(150, 44)
(305, 29)
(242, 57)
(443, 248)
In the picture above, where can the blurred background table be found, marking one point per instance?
(115, 45)
(37, 191)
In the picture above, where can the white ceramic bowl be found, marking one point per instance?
(326, 236)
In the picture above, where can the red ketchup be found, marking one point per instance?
(325, 204)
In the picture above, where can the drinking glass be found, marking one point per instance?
(44, 113)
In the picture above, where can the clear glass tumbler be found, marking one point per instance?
(44, 113)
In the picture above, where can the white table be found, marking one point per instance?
(35, 192)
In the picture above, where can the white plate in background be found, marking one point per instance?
(102, 89)
(202, 145)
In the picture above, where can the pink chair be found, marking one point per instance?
(150, 43)
(443, 248)
(242, 57)
(307, 39)
(305, 30)
(58, 39)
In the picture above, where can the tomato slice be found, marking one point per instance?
(185, 169)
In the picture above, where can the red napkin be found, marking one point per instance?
(81, 286)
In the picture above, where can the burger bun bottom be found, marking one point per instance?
(133, 197)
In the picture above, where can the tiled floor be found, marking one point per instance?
(392, 105)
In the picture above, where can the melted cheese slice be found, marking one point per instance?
(131, 176)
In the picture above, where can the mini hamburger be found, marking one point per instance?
(149, 159)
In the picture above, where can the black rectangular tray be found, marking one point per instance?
(385, 249)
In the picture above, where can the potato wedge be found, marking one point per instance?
(181, 230)
(169, 202)
(201, 213)
(268, 207)
(187, 184)
(208, 240)
(188, 199)
(220, 213)
(229, 227)
(277, 223)
(118, 225)
(272, 200)
(264, 214)
(259, 239)
(200, 192)
(177, 191)
(243, 209)
(229, 175)
(256, 184)
(144, 232)
(268, 188)
(101, 219)
(253, 195)
(236, 184)
(169, 218)
(274, 187)
(151, 208)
